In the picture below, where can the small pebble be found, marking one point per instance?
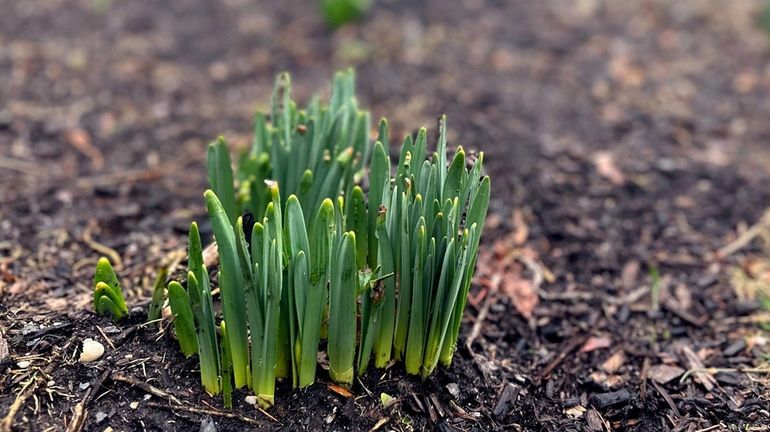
(134, 405)
(84, 385)
(251, 400)
(330, 418)
(453, 389)
(100, 416)
(92, 350)
(208, 425)
(136, 310)
(24, 364)
(29, 328)
(111, 329)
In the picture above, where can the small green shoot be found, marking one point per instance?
(108, 296)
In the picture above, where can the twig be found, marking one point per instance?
(711, 371)
(19, 165)
(196, 410)
(101, 248)
(106, 338)
(29, 390)
(745, 238)
(178, 404)
(127, 333)
(710, 428)
(44, 331)
(491, 298)
(702, 375)
(380, 423)
(23, 395)
(121, 177)
(571, 346)
(667, 397)
(146, 387)
(81, 411)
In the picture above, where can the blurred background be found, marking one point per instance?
(627, 143)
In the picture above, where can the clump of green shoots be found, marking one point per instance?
(108, 296)
(383, 273)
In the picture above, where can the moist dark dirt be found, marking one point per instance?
(628, 148)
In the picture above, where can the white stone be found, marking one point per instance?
(92, 351)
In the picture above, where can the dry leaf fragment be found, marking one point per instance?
(607, 381)
(695, 363)
(521, 293)
(594, 343)
(342, 391)
(614, 362)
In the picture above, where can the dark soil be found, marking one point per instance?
(628, 142)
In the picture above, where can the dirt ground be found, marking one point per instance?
(621, 274)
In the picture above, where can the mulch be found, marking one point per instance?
(625, 257)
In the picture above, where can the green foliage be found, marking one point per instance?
(231, 288)
(108, 296)
(158, 294)
(199, 290)
(314, 153)
(382, 274)
(183, 318)
(339, 12)
(342, 310)
(764, 18)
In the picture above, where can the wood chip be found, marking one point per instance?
(614, 362)
(594, 420)
(695, 363)
(575, 412)
(506, 400)
(603, 400)
(664, 373)
(3, 348)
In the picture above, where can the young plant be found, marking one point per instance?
(158, 295)
(382, 273)
(199, 288)
(179, 301)
(231, 288)
(314, 153)
(193, 309)
(108, 296)
(433, 215)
